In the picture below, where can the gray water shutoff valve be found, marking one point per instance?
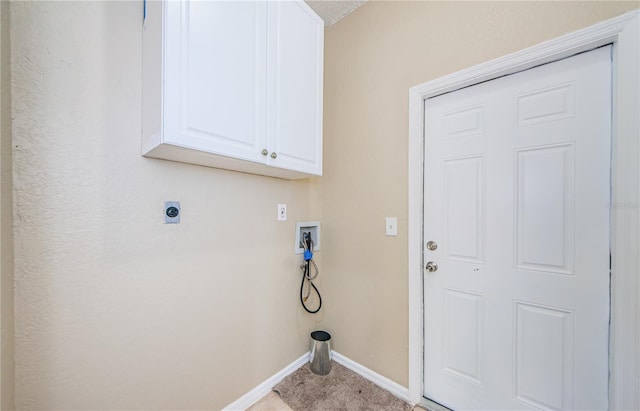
(172, 212)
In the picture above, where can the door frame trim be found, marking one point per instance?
(624, 33)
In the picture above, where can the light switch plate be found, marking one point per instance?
(391, 226)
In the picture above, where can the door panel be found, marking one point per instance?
(544, 356)
(517, 184)
(545, 208)
(462, 343)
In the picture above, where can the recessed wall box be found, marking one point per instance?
(312, 227)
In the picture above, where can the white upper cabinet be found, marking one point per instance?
(295, 87)
(234, 85)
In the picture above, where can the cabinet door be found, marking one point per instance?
(215, 77)
(296, 35)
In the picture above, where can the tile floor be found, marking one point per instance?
(270, 402)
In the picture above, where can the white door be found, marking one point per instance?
(516, 197)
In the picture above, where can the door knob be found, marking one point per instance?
(274, 155)
(431, 267)
(264, 152)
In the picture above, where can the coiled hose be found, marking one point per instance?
(306, 274)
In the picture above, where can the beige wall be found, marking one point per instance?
(113, 308)
(372, 58)
(6, 218)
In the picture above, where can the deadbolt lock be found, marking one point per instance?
(432, 245)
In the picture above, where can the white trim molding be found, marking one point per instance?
(624, 33)
(265, 387)
(383, 382)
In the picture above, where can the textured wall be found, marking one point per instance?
(113, 308)
(6, 217)
(373, 57)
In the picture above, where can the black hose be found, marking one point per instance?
(304, 276)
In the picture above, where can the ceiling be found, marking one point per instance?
(333, 10)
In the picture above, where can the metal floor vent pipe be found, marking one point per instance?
(320, 359)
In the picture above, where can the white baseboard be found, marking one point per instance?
(264, 388)
(383, 382)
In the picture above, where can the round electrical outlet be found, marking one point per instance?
(172, 212)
